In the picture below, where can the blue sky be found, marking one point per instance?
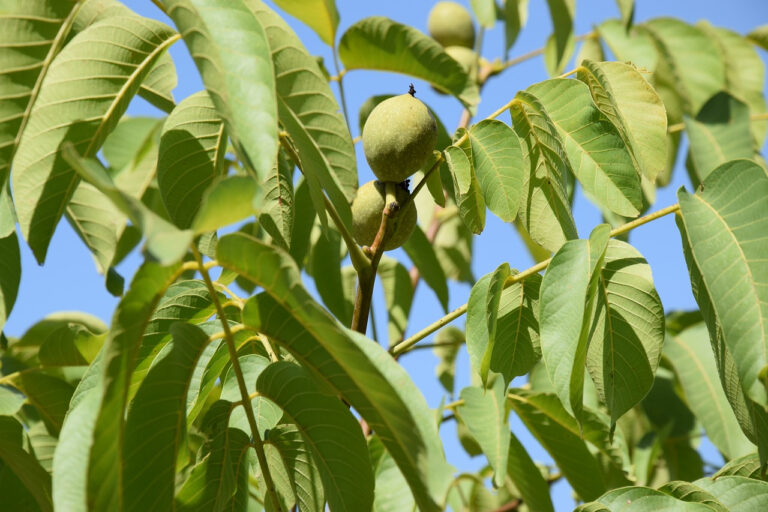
(69, 281)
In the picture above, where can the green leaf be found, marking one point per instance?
(192, 148)
(568, 299)
(10, 401)
(129, 138)
(719, 133)
(70, 345)
(71, 458)
(266, 412)
(301, 465)
(544, 212)
(627, 331)
(485, 11)
(390, 493)
(228, 200)
(241, 84)
(724, 226)
(309, 113)
(361, 371)
(184, 301)
(398, 295)
(737, 493)
(104, 467)
(50, 395)
(10, 275)
(640, 499)
(422, 254)
(562, 13)
(164, 241)
(515, 19)
(330, 431)
(590, 49)
(527, 477)
(213, 481)
(23, 465)
(497, 162)
(554, 62)
(694, 59)
(43, 181)
(627, 11)
(744, 73)
(595, 150)
(747, 466)
(448, 341)
(485, 414)
(382, 44)
(469, 196)
(320, 15)
(634, 46)
(453, 248)
(635, 109)
(276, 202)
(759, 36)
(155, 428)
(695, 366)
(33, 34)
(325, 263)
(559, 433)
(686, 491)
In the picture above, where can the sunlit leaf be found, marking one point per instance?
(447, 344)
(485, 11)
(562, 13)
(744, 73)
(331, 432)
(515, 19)
(497, 161)
(308, 111)
(719, 133)
(627, 331)
(469, 196)
(747, 466)
(544, 211)
(192, 148)
(694, 59)
(590, 49)
(42, 180)
(725, 226)
(320, 15)
(633, 47)
(391, 494)
(485, 413)
(241, 84)
(265, 411)
(759, 36)
(737, 493)
(228, 200)
(33, 34)
(625, 97)
(686, 491)
(527, 477)
(626, 10)
(424, 257)
(301, 465)
(398, 295)
(568, 298)
(156, 426)
(380, 43)
(361, 371)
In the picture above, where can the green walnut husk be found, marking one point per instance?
(367, 209)
(398, 137)
(450, 24)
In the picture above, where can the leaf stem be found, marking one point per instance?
(230, 340)
(423, 181)
(406, 344)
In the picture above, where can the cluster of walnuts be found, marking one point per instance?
(400, 135)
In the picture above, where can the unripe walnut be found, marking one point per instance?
(450, 24)
(367, 209)
(398, 137)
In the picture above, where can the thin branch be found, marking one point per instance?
(423, 181)
(406, 345)
(230, 340)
